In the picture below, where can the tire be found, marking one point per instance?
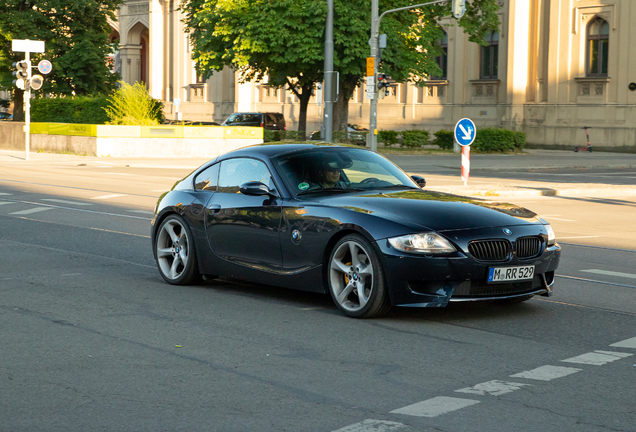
(355, 278)
(576, 149)
(515, 300)
(589, 149)
(176, 253)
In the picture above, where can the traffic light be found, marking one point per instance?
(459, 8)
(21, 69)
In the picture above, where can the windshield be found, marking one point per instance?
(336, 170)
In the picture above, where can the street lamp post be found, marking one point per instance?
(459, 7)
(328, 87)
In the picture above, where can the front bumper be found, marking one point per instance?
(427, 281)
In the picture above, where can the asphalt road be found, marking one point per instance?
(93, 339)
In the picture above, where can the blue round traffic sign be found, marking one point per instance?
(465, 132)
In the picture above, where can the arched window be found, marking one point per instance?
(490, 57)
(442, 58)
(597, 47)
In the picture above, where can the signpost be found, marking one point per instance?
(465, 133)
(25, 81)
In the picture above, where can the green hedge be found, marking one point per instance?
(414, 138)
(388, 137)
(79, 109)
(498, 140)
(444, 139)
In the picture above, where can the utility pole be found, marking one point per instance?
(459, 8)
(327, 122)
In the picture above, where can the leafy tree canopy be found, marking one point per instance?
(76, 37)
(285, 38)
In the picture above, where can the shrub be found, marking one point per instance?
(295, 135)
(273, 135)
(494, 140)
(388, 137)
(415, 138)
(520, 140)
(444, 139)
(79, 109)
(132, 105)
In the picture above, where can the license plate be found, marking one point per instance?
(505, 274)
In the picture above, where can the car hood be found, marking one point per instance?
(433, 210)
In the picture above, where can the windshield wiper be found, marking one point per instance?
(328, 190)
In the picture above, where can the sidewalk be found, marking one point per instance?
(441, 171)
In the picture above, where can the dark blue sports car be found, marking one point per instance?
(349, 222)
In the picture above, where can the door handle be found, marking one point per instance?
(215, 208)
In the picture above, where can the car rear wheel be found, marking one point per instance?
(175, 252)
(356, 279)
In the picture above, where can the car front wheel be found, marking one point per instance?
(175, 252)
(356, 279)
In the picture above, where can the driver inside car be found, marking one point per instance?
(329, 175)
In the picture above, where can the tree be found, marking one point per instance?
(277, 40)
(285, 38)
(77, 44)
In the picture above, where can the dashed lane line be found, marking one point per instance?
(373, 425)
(66, 202)
(493, 388)
(29, 211)
(611, 273)
(443, 404)
(103, 197)
(435, 406)
(6, 202)
(597, 358)
(546, 373)
(627, 343)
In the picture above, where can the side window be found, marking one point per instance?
(442, 59)
(235, 172)
(207, 179)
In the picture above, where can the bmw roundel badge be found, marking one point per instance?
(507, 231)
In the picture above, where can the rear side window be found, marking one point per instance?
(207, 179)
(235, 172)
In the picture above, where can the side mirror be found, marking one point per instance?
(421, 181)
(256, 188)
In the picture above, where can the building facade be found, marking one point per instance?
(552, 68)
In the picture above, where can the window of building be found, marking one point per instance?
(442, 59)
(597, 47)
(490, 56)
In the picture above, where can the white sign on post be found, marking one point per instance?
(26, 45)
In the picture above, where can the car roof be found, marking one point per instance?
(272, 150)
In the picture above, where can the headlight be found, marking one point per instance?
(425, 243)
(551, 236)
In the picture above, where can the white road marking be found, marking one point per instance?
(436, 406)
(66, 202)
(3, 193)
(372, 425)
(142, 211)
(108, 196)
(6, 202)
(610, 273)
(627, 343)
(494, 388)
(597, 358)
(546, 373)
(33, 210)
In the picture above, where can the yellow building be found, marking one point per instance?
(553, 67)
